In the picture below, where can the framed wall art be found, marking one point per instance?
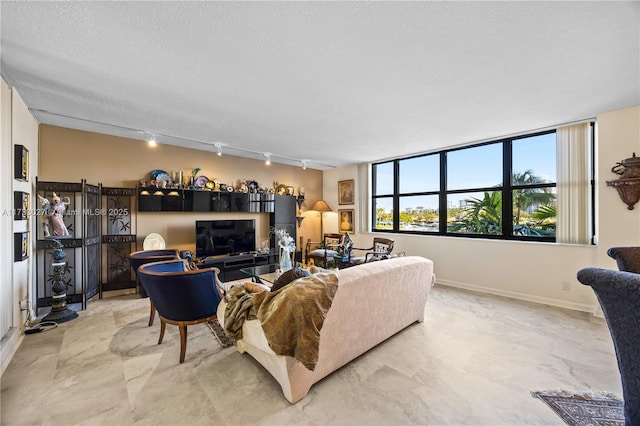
(20, 205)
(346, 192)
(346, 220)
(21, 163)
(20, 246)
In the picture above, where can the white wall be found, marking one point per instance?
(525, 270)
(17, 284)
(6, 313)
(330, 195)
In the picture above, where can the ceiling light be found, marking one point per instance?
(268, 160)
(219, 148)
(152, 140)
(304, 164)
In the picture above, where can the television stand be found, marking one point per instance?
(230, 265)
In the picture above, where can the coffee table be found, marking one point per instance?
(262, 274)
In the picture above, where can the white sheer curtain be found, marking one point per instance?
(364, 171)
(573, 157)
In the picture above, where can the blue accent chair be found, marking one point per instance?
(138, 258)
(181, 296)
(627, 258)
(619, 295)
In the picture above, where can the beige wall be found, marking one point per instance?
(71, 155)
(531, 271)
(17, 127)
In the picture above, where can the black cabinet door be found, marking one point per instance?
(147, 202)
(171, 201)
(240, 202)
(284, 216)
(220, 202)
(197, 201)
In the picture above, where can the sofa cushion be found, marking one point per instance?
(289, 276)
(321, 252)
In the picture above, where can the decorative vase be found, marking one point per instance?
(285, 259)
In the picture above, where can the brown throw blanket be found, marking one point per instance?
(291, 317)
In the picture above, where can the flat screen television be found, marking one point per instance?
(225, 237)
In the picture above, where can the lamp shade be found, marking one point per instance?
(321, 206)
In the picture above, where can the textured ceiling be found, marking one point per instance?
(333, 82)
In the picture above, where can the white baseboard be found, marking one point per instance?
(526, 297)
(9, 345)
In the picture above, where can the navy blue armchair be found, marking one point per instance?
(627, 258)
(619, 295)
(138, 258)
(181, 296)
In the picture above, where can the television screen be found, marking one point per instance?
(225, 237)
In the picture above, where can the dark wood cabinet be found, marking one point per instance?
(149, 200)
(283, 216)
(197, 201)
(152, 199)
(281, 209)
(230, 266)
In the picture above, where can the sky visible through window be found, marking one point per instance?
(468, 168)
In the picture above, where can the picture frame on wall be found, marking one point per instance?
(346, 192)
(20, 246)
(20, 205)
(345, 217)
(21, 163)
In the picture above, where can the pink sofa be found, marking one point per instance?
(373, 302)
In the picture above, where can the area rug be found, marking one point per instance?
(218, 331)
(584, 408)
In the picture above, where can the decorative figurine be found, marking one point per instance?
(53, 215)
(242, 187)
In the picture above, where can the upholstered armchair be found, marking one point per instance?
(138, 258)
(182, 296)
(324, 252)
(381, 249)
(627, 258)
(619, 295)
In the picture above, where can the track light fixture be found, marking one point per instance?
(171, 139)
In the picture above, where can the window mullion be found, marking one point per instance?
(396, 196)
(507, 193)
(442, 214)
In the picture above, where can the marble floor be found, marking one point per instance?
(472, 362)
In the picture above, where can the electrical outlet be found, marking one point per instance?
(566, 286)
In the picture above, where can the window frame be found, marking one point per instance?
(506, 188)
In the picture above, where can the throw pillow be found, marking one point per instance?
(289, 276)
(253, 287)
(316, 269)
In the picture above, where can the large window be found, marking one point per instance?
(503, 189)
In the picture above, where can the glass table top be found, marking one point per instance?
(265, 274)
